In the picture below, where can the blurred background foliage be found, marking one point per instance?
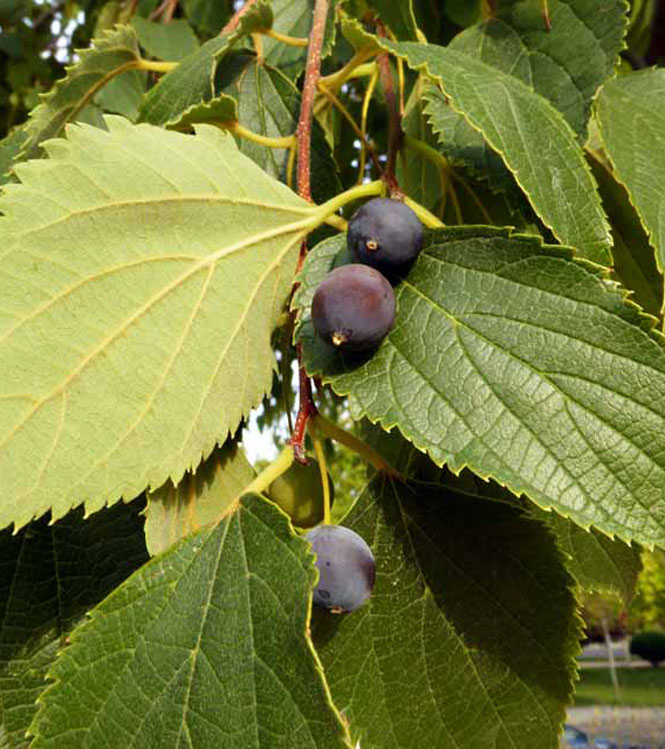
(645, 612)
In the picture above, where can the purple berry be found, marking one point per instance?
(353, 308)
(385, 234)
(346, 568)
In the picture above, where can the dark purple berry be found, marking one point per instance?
(346, 568)
(385, 234)
(353, 308)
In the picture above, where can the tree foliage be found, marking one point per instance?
(176, 180)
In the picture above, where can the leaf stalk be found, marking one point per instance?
(369, 454)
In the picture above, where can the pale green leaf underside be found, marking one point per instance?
(199, 499)
(141, 274)
(468, 640)
(631, 116)
(205, 647)
(534, 140)
(112, 53)
(526, 366)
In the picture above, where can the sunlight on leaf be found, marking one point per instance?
(138, 303)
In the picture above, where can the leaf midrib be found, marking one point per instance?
(166, 199)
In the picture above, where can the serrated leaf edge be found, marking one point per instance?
(100, 43)
(555, 114)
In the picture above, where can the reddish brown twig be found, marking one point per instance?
(235, 20)
(166, 10)
(395, 134)
(170, 10)
(312, 75)
(306, 407)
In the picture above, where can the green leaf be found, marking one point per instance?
(166, 41)
(533, 139)
(193, 81)
(567, 63)
(631, 116)
(51, 575)
(269, 104)
(114, 52)
(221, 109)
(10, 147)
(143, 273)
(521, 363)
(123, 94)
(398, 16)
(188, 85)
(634, 260)
(207, 646)
(470, 634)
(598, 563)
(433, 180)
(356, 34)
(200, 498)
(464, 146)
(206, 16)
(463, 12)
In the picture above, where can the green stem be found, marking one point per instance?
(292, 41)
(335, 80)
(369, 454)
(428, 218)
(337, 222)
(321, 459)
(425, 150)
(349, 118)
(365, 70)
(280, 465)
(155, 66)
(285, 141)
(369, 189)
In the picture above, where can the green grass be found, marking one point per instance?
(639, 687)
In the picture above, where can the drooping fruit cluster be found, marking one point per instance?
(354, 306)
(299, 492)
(346, 568)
